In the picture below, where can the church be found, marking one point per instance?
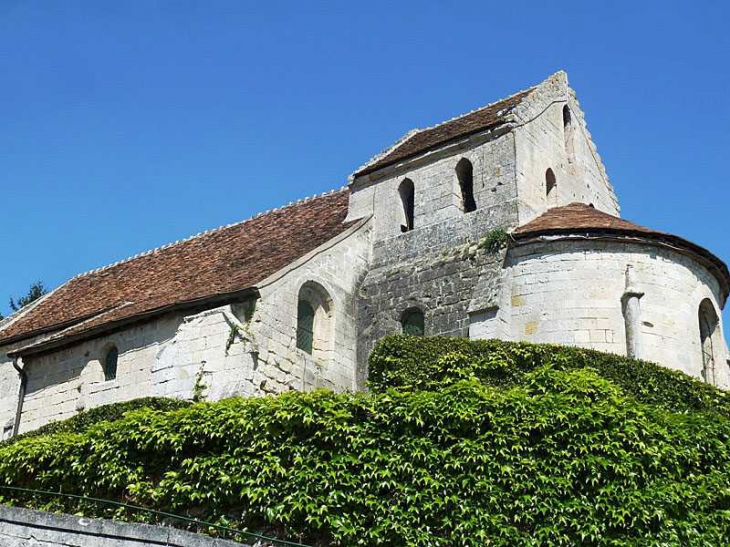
(500, 223)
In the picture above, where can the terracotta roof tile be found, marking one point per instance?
(578, 216)
(422, 140)
(221, 261)
(580, 219)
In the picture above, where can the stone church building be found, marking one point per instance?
(500, 223)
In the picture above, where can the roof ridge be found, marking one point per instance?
(418, 130)
(300, 201)
(503, 99)
(383, 153)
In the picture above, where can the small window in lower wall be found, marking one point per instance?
(110, 363)
(412, 322)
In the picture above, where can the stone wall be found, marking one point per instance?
(9, 385)
(29, 528)
(437, 194)
(570, 292)
(419, 268)
(447, 288)
(435, 267)
(219, 350)
(541, 144)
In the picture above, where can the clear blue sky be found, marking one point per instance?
(127, 125)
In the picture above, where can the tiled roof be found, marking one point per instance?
(421, 140)
(222, 261)
(578, 216)
(580, 219)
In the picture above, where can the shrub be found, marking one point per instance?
(511, 444)
(106, 413)
(410, 363)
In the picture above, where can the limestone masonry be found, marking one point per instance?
(501, 223)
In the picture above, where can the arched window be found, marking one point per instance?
(315, 321)
(465, 174)
(551, 188)
(568, 132)
(412, 322)
(110, 363)
(407, 195)
(305, 326)
(708, 338)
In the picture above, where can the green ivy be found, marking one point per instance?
(85, 419)
(434, 362)
(505, 444)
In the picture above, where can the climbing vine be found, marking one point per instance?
(458, 443)
(233, 332)
(199, 388)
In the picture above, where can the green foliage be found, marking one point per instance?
(233, 332)
(199, 387)
(434, 362)
(512, 445)
(87, 418)
(35, 291)
(495, 240)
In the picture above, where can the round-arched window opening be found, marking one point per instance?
(413, 322)
(709, 332)
(465, 176)
(568, 131)
(551, 188)
(111, 359)
(407, 194)
(305, 326)
(315, 322)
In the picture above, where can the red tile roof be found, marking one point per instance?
(578, 216)
(580, 219)
(425, 139)
(219, 262)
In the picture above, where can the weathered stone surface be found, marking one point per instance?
(572, 292)
(30, 528)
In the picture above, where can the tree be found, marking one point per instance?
(36, 290)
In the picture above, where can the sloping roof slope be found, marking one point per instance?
(578, 216)
(579, 219)
(421, 140)
(219, 262)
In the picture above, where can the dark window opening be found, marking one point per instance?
(110, 363)
(551, 185)
(407, 197)
(708, 327)
(568, 132)
(305, 326)
(413, 322)
(465, 174)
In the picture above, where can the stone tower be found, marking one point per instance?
(497, 167)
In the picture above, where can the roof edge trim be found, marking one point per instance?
(44, 345)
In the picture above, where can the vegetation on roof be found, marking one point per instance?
(457, 443)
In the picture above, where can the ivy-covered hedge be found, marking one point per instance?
(551, 455)
(106, 413)
(411, 363)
